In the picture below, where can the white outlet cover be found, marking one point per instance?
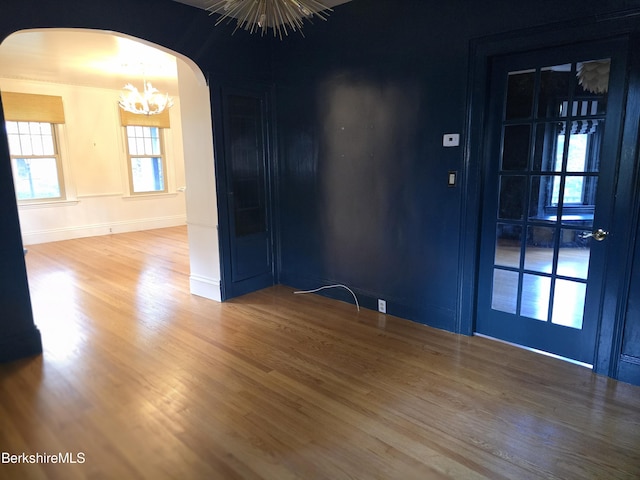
(451, 140)
(382, 306)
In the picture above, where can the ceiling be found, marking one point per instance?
(86, 57)
(205, 3)
(92, 58)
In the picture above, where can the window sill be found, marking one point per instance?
(149, 196)
(47, 204)
(566, 218)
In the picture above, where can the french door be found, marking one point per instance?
(551, 156)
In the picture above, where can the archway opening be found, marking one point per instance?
(93, 148)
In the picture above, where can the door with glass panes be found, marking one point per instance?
(550, 158)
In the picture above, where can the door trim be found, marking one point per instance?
(481, 51)
(619, 267)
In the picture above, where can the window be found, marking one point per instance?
(574, 191)
(581, 169)
(35, 160)
(571, 158)
(146, 159)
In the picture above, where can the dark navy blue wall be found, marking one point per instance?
(629, 362)
(363, 102)
(225, 59)
(625, 361)
(361, 105)
(19, 335)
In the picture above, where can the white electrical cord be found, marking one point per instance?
(331, 286)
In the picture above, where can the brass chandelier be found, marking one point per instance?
(260, 15)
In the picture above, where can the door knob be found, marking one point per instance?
(598, 235)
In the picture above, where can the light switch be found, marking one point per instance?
(451, 140)
(452, 180)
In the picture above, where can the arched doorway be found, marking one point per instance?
(192, 142)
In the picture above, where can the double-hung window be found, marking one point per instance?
(578, 159)
(582, 156)
(32, 123)
(147, 167)
(36, 163)
(146, 155)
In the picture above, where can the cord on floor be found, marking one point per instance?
(331, 286)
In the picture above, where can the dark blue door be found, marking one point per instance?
(248, 257)
(551, 162)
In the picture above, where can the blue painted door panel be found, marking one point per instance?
(247, 242)
(550, 162)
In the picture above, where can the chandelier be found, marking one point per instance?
(259, 15)
(149, 102)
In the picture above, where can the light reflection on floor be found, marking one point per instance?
(53, 301)
(150, 286)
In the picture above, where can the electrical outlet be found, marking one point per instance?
(382, 306)
(451, 140)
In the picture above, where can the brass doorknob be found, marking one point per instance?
(598, 235)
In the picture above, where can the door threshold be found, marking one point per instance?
(548, 354)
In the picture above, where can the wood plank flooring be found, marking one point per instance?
(140, 379)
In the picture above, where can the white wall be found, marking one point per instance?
(94, 160)
(95, 168)
(202, 206)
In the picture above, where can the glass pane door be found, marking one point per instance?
(548, 131)
(551, 135)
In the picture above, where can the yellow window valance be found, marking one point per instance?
(29, 107)
(161, 120)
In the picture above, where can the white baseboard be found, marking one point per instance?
(205, 287)
(68, 233)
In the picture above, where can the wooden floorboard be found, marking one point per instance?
(142, 380)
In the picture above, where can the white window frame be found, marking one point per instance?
(60, 167)
(163, 162)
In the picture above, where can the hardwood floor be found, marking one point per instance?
(140, 379)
